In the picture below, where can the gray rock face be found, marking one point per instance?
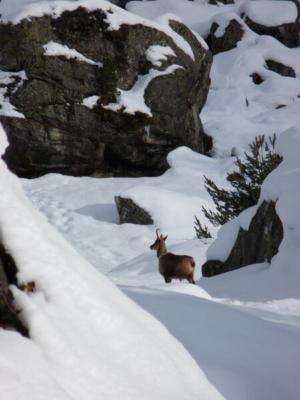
(232, 35)
(60, 134)
(287, 34)
(256, 245)
(131, 213)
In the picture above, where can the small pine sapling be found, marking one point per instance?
(202, 232)
(246, 181)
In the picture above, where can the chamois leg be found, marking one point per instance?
(190, 279)
(167, 279)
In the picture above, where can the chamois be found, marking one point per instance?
(172, 266)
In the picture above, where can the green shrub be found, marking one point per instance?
(246, 183)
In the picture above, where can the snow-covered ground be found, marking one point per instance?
(87, 339)
(242, 328)
(90, 341)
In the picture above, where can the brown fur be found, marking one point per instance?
(172, 266)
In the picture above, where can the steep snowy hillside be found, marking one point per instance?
(88, 338)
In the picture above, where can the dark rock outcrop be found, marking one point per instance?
(280, 68)
(256, 245)
(287, 34)
(215, 2)
(131, 213)
(9, 318)
(232, 35)
(121, 3)
(60, 134)
(257, 79)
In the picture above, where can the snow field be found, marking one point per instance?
(93, 339)
(241, 328)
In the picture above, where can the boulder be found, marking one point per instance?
(131, 213)
(9, 318)
(288, 34)
(66, 112)
(279, 19)
(256, 78)
(280, 68)
(228, 39)
(121, 3)
(258, 244)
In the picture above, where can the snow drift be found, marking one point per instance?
(88, 340)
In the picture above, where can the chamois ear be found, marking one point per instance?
(165, 238)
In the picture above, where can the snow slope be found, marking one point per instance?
(242, 328)
(88, 340)
(247, 353)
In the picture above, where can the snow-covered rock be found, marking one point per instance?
(270, 13)
(226, 31)
(256, 243)
(270, 227)
(279, 19)
(130, 212)
(99, 83)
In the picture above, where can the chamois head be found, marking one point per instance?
(159, 241)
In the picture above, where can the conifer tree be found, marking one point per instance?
(246, 183)
(202, 232)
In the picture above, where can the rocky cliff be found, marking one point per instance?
(88, 92)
